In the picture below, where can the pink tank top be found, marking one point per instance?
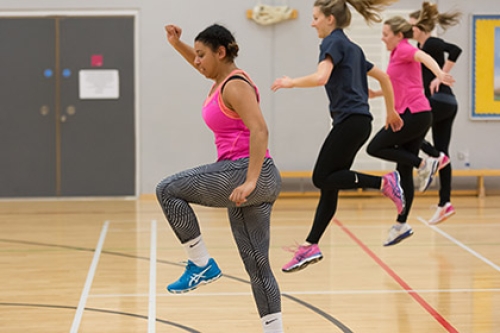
(232, 137)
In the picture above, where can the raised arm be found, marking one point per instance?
(318, 78)
(173, 36)
(392, 117)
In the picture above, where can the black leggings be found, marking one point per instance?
(443, 115)
(332, 170)
(402, 147)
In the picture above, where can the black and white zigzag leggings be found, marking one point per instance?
(210, 185)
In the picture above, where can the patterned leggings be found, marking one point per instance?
(210, 185)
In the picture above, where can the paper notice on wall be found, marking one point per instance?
(99, 84)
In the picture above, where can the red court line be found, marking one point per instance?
(399, 280)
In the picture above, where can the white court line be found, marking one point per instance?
(460, 244)
(152, 280)
(90, 278)
(317, 292)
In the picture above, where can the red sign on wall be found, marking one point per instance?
(96, 60)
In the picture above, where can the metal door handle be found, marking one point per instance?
(70, 110)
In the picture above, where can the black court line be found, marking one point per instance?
(24, 305)
(311, 307)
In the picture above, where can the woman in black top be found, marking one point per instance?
(441, 97)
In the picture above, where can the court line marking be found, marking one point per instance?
(311, 292)
(152, 280)
(90, 278)
(435, 314)
(106, 311)
(460, 244)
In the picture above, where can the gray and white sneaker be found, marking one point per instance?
(427, 173)
(397, 233)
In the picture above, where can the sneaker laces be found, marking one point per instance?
(395, 228)
(291, 248)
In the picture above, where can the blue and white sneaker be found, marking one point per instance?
(397, 233)
(194, 276)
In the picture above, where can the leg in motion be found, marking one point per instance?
(175, 193)
(250, 226)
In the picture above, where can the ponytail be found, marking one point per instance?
(369, 9)
(428, 17)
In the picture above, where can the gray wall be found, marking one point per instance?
(172, 135)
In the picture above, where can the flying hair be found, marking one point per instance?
(369, 9)
(428, 17)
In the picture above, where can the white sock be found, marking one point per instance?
(272, 323)
(197, 251)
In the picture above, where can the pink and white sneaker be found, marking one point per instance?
(441, 214)
(392, 189)
(302, 257)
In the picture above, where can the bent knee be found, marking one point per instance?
(318, 181)
(162, 189)
(372, 149)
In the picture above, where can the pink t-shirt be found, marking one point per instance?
(406, 77)
(232, 137)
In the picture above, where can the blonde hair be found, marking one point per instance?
(429, 16)
(399, 24)
(369, 9)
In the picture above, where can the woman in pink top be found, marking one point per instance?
(402, 147)
(244, 179)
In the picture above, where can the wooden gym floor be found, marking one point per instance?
(102, 266)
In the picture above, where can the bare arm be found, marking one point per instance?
(318, 78)
(434, 85)
(433, 66)
(393, 119)
(239, 96)
(173, 37)
(448, 65)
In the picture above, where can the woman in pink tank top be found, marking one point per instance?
(244, 178)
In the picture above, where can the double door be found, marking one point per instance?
(67, 100)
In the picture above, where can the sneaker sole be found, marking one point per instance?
(401, 191)
(445, 217)
(300, 266)
(202, 283)
(429, 180)
(427, 184)
(400, 238)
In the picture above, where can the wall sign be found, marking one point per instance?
(99, 84)
(485, 67)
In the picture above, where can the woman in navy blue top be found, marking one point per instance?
(343, 70)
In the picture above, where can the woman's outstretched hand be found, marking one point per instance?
(282, 82)
(446, 78)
